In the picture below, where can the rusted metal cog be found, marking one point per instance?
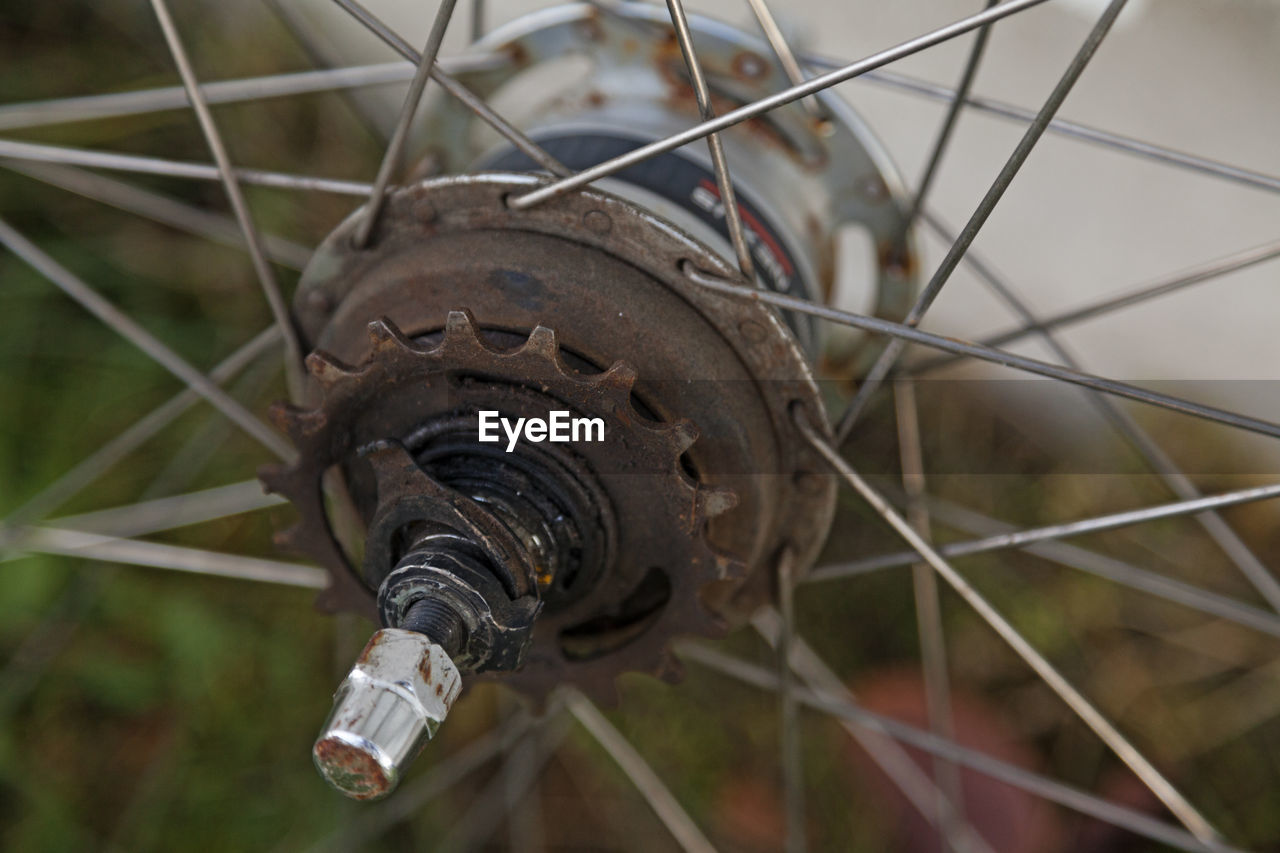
(416, 391)
(675, 523)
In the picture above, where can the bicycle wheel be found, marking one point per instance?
(601, 316)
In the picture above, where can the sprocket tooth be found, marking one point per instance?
(659, 662)
(722, 565)
(542, 341)
(274, 479)
(281, 414)
(715, 500)
(730, 568)
(685, 433)
(620, 375)
(670, 669)
(327, 369)
(299, 424)
(282, 480)
(708, 622)
(294, 538)
(460, 328)
(385, 336)
(325, 437)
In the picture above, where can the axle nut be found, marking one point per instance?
(395, 697)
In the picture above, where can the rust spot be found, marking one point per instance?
(682, 97)
(826, 263)
(351, 770)
(896, 258)
(595, 99)
(814, 226)
(516, 50)
(668, 61)
(439, 689)
(424, 669)
(822, 126)
(370, 646)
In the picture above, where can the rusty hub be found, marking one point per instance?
(665, 528)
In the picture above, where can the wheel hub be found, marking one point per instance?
(664, 527)
(545, 563)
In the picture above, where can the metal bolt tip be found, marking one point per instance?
(354, 767)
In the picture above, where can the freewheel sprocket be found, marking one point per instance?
(405, 385)
(696, 524)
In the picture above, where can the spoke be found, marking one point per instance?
(87, 107)
(884, 363)
(1070, 129)
(732, 217)
(96, 464)
(958, 100)
(204, 444)
(669, 811)
(1063, 127)
(394, 154)
(10, 148)
(240, 207)
(782, 50)
(464, 95)
(477, 20)
(370, 113)
(933, 644)
(520, 795)
(162, 209)
(1091, 716)
(143, 340)
(56, 111)
(1161, 287)
(1238, 707)
(842, 708)
(1129, 429)
(167, 513)
(523, 767)
(1082, 559)
(995, 356)
(57, 628)
(764, 105)
(788, 712)
(156, 555)
(901, 769)
(1028, 536)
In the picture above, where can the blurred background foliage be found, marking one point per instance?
(146, 710)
